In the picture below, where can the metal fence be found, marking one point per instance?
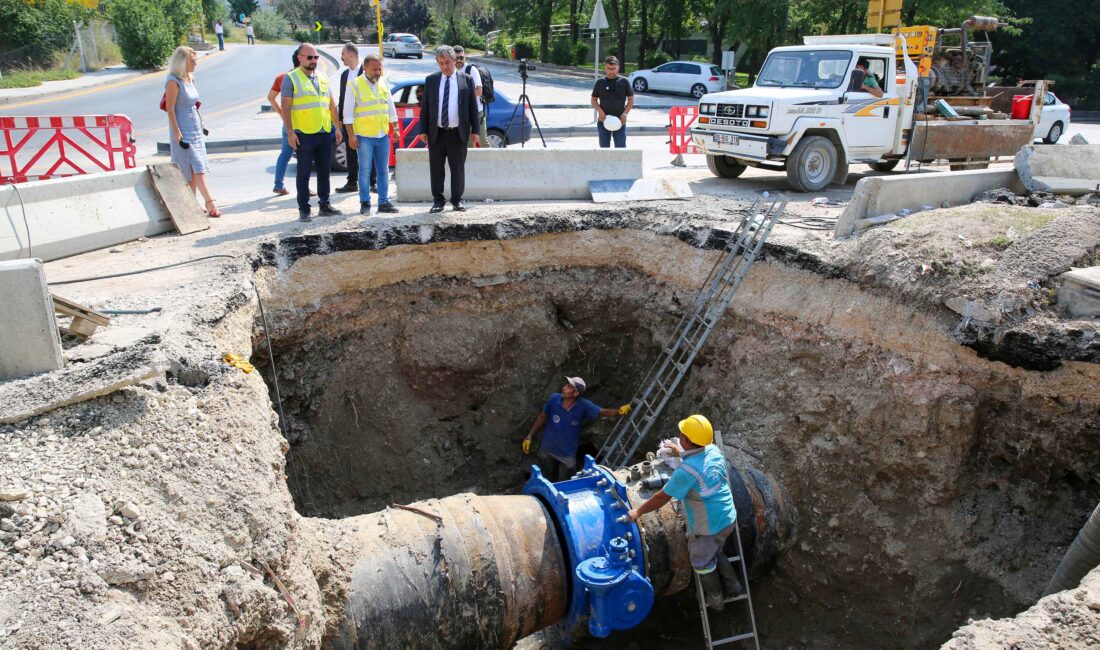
(93, 47)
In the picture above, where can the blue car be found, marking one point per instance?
(406, 93)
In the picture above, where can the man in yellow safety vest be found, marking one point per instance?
(310, 119)
(369, 114)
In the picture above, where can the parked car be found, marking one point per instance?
(399, 45)
(407, 92)
(689, 77)
(1053, 121)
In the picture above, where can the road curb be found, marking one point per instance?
(50, 92)
(266, 144)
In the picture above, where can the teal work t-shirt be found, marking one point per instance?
(702, 483)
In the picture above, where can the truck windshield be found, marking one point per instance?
(805, 69)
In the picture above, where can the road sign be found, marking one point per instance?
(728, 60)
(317, 26)
(882, 14)
(599, 18)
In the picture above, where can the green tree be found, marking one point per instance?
(45, 23)
(407, 16)
(269, 24)
(452, 12)
(144, 32)
(298, 12)
(238, 7)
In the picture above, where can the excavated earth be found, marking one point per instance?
(931, 414)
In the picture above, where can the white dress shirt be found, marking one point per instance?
(452, 106)
(476, 76)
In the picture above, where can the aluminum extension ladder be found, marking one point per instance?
(692, 332)
(713, 643)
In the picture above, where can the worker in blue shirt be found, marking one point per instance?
(701, 481)
(563, 415)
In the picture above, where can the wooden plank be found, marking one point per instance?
(69, 308)
(178, 198)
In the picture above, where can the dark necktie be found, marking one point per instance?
(444, 119)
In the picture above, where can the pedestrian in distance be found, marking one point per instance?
(701, 481)
(612, 96)
(479, 89)
(561, 420)
(447, 118)
(251, 34)
(220, 32)
(286, 153)
(312, 124)
(349, 55)
(368, 116)
(185, 133)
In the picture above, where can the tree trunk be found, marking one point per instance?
(716, 28)
(574, 26)
(644, 41)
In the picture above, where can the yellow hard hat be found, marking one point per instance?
(698, 430)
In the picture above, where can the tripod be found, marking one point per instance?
(524, 101)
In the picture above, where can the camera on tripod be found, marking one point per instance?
(525, 67)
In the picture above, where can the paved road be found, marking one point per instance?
(232, 85)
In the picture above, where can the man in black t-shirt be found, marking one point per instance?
(612, 96)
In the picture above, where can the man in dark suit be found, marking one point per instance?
(350, 56)
(447, 115)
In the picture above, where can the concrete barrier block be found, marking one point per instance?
(1062, 170)
(878, 196)
(62, 217)
(1079, 293)
(30, 344)
(514, 174)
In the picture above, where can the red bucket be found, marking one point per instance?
(1021, 106)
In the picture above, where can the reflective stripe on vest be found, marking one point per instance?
(309, 110)
(372, 108)
(701, 488)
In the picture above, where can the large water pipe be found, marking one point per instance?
(468, 571)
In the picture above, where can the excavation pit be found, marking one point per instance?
(931, 483)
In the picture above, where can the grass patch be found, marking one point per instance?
(32, 78)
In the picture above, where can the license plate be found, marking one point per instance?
(725, 138)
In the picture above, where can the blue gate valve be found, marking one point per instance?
(603, 549)
(619, 598)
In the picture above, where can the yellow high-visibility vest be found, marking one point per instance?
(372, 108)
(309, 110)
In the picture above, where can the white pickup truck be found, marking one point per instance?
(810, 114)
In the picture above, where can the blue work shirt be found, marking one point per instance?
(563, 428)
(702, 483)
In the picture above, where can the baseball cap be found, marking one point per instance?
(577, 382)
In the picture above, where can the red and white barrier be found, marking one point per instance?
(41, 148)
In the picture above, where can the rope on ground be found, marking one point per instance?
(811, 223)
(139, 271)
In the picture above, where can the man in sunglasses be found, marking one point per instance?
(311, 121)
(471, 69)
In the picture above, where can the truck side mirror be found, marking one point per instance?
(857, 80)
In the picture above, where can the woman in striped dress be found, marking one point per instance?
(185, 125)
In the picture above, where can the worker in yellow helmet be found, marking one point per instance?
(701, 481)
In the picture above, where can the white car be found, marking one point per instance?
(1053, 121)
(689, 77)
(399, 45)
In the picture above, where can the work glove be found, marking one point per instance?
(624, 409)
(526, 445)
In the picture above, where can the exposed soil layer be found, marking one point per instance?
(940, 462)
(932, 484)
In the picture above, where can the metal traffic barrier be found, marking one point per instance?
(41, 148)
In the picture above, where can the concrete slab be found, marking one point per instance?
(642, 189)
(1079, 293)
(25, 398)
(521, 174)
(878, 196)
(1063, 170)
(68, 216)
(30, 344)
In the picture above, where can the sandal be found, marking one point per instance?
(212, 212)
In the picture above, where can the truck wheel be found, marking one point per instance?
(812, 164)
(725, 166)
(885, 166)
